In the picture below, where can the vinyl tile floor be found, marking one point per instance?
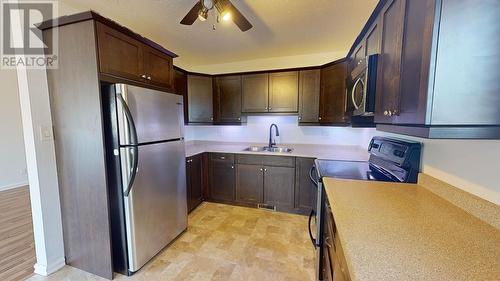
(225, 242)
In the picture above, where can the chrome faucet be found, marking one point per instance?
(272, 142)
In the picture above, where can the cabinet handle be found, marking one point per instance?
(149, 77)
(395, 112)
(319, 118)
(211, 119)
(265, 170)
(300, 118)
(143, 76)
(239, 119)
(261, 169)
(270, 108)
(265, 108)
(222, 157)
(386, 113)
(232, 167)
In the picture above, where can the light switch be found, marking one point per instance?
(46, 133)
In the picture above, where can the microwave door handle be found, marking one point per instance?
(360, 80)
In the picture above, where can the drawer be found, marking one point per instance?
(223, 157)
(281, 161)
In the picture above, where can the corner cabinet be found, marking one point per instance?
(124, 57)
(333, 97)
(309, 91)
(227, 100)
(199, 99)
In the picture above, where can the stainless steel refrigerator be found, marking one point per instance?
(146, 168)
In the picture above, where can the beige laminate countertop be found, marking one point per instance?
(330, 152)
(395, 231)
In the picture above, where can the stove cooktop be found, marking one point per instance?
(354, 170)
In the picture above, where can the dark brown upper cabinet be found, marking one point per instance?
(429, 71)
(284, 92)
(159, 68)
(180, 88)
(388, 78)
(255, 93)
(124, 57)
(200, 107)
(309, 91)
(227, 100)
(333, 98)
(119, 54)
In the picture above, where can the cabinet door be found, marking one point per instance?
(305, 191)
(255, 93)
(284, 91)
(222, 184)
(227, 99)
(309, 91)
(195, 180)
(372, 39)
(180, 86)
(279, 187)
(333, 99)
(415, 63)
(119, 54)
(200, 109)
(159, 68)
(249, 183)
(388, 77)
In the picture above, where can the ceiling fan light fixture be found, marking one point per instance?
(226, 16)
(203, 14)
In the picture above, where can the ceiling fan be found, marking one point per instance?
(225, 9)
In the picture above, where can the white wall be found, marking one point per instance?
(257, 130)
(473, 166)
(12, 157)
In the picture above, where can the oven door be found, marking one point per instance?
(316, 216)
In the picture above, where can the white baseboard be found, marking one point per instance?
(49, 269)
(12, 186)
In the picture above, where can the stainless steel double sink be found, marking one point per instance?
(269, 149)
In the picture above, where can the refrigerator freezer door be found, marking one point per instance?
(157, 116)
(156, 208)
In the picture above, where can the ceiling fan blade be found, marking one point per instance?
(192, 15)
(237, 17)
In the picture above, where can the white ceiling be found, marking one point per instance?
(281, 27)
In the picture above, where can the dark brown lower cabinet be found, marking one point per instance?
(194, 182)
(305, 191)
(279, 183)
(222, 178)
(249, 184)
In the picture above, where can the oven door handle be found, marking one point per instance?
(311, 176)
(313, 240)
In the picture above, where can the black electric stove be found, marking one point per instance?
(391, 160)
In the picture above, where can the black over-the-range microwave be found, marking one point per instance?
(363, 90)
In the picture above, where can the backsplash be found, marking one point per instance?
(257, 130)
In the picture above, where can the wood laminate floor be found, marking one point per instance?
(227, 243)
(17, 246)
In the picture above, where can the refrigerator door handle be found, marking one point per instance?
(130, 121)
(132, 148)
(133, 168)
